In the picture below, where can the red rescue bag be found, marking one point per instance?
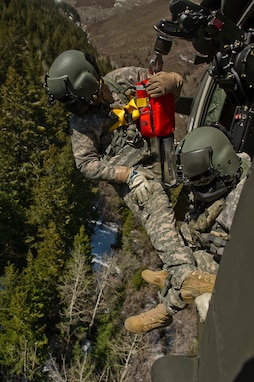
(157, 115)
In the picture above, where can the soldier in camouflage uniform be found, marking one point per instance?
(208, 164)
(123, 157)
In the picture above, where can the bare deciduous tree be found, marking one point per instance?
(76, 293)
(103, 279)
(78, 371)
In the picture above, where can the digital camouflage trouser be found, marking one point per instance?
(158, 219)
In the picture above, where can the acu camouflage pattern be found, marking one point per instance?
(98, 152)
(158, 219)
(211, 229)
(200, 245)
(208, 235)
(92, 143)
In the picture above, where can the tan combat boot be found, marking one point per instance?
(145, 322)
(156, 278)
(195, 284)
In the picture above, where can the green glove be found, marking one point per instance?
(138, 182)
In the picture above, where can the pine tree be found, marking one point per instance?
(44, 203)
(30, 308)
(18, 138)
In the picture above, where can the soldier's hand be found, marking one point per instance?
(138, 182)
(163, 83)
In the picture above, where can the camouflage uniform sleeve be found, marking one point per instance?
(86, 133)
(226, 217)
(128, 76)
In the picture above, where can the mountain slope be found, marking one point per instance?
(125, 34)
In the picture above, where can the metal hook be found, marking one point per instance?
(155, 64)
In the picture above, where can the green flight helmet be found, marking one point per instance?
(207, 161)
(73, 79)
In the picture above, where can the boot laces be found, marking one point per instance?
(155, 315)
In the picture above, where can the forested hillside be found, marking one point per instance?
(59, 320)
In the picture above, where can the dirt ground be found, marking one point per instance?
(124, 33)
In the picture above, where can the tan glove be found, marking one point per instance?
(163, 83)
(139, 183)
(122, 174)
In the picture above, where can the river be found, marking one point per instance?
(104, 237)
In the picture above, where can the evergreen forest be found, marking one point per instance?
(59, 320)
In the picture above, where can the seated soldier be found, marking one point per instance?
(208, 164)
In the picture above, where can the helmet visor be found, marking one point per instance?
(85, 88)
(196, 162)
(195, 167)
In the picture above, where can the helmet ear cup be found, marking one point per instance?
(85, 86)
